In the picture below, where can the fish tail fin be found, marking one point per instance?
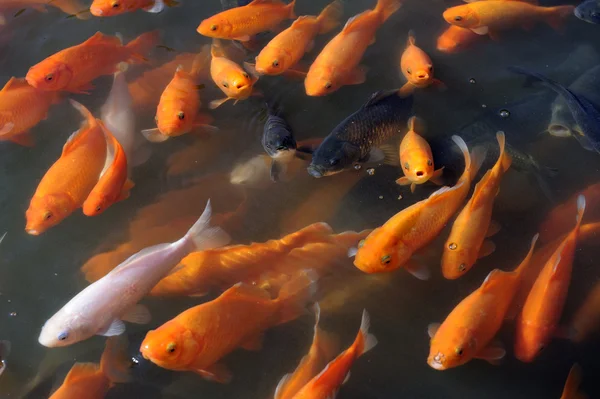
(72, 7)
(216, 49)
(504, 159)
(410, 41)
(206, 236)
(115, 363)
(387, 7)
(295, 295)
(364, 341)
(201, 61)
(290, 7)
(141, 45)
(330, 17)
(90, 120)
(580, 210)
(473, 160)
(557, 16)
(525, 262)
(327, 343)
(573, 382)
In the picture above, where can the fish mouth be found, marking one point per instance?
(97, 12)
(559, 130)
(33, 232)
(315, 171)
(437, 362)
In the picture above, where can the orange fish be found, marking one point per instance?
(66, 185)
(197, 339)
(240, 23)
(468, 330)
(109, 8)
(321, 351)
(288, 47)
(417, 67)
(467, 241)
(71, 7)
(456, 39)
(177, 111)
(571, 389)
(93, 381)
(539, 318)
(416, 160)
(231, 78)
(392, 245)
(328, 382)
(21, 108)
(338, 64)
(113, 185)
(73, 69)
(491, 16)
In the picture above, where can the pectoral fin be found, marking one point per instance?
(25, 139)
(139, 314)
(486, 249)
(493, 229)
(254, 343)
(214, 104)
(154, 135)
(117, 327)
(218, 372)
(417, 269)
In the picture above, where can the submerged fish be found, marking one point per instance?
(4, 351)
(456, 39)
(585, 113)
(589, 11)
(100, 308)
(109, 8)
(416, 66)
(354, 141)
(572, 385)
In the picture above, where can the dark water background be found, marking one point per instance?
(39, 274)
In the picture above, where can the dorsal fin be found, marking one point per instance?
(14, 83)
(81, 370)
(352, 23)
(101, 38)
(245, 290)
(379, 96)
(257, 2)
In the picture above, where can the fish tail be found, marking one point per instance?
(115, 363)
(527, 259)
(327, 343)
(473, 160)
(504, 159)
(205, 236)
(556, 16)
(364, 341)
(141, 45)
(90, 120)
(295, 295)
(290, 7)
(330, 17)
(201, 61)
(580, 210)
(387, 7)
(411, 38)
(72, 7)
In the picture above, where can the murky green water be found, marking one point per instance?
(39, 274)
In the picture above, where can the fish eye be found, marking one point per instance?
(171, 347)
(361, 243)
(213, 27)
(156, 118)
(63, 335)
(406, 166)
(452, 246)
(49, 77)
(47, 215)
(459, 351)
(98, 208)
(430, 68)
(275, 64)
(246, 75)
(409, 71)
(115, 4)
(386, 259)
(181, 115)
(429, 162)
(462, 267)
(281, 148)
(328, 85)
(458, 18)
(334, 161)
(225, 84)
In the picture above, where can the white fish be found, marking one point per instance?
(100, 308)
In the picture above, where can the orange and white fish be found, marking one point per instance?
(467, 241)
(241, 23)
(287, 48)
(178, 110)
(67, 184)
(491, 16)
(71, 7)
(231, 78)
(74, 68)
(322, 350)
(416, 160)
(21, 108)
(328, 382)
(537, 322)
(456, 39)
(93, 381)
(468, 331)
(572, 385)
(338, 63)
(392, 245)
(197, 339)
(109, 8)
(417, 67)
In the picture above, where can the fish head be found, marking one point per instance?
(456, 258)
(588, 11)
(420, 75)
(95, 204)
(418, 169)
(63, 329)
(463, 16)
(46, 212)
(216, 26)
(380, 252)
(109, 8)
(451, 347)
(530, 340)
(237, 84)
(173, 120)
(320, 81)
(49, 75)
(562, 122)
(278, 142)
(272, 61)
(333, 156)
(170, 346)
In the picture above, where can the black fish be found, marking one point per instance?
(585, 114)
(278, 141)
(589, 11)
(355, 139)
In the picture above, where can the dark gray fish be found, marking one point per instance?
(4, 352)
(585, 114)
(278, 141)
(354, 141)
(589, 11)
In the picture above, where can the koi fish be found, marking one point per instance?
(73, 68)
(417, 67)
(467, 241)
(468, 331)
(539, 318)
(177, 111)
(197, 339)
(21, 108)
(100, 308)
(338, 63)
(109, 8)
(328, 382)
(416, 160)
(69, 181)
(287, 48)
(456, 39)
(392, 245)
(241, 23)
